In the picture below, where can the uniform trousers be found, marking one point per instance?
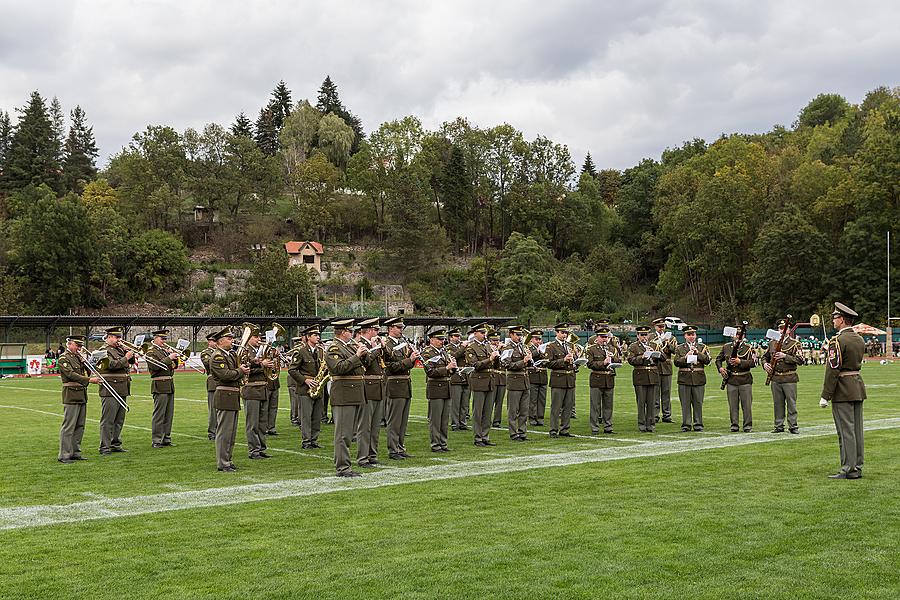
(367, 430)
(785, 396)
(481, 414)
(345, 419)
(561, 402)
(438, 421)
(212, 417)
(664, 398)
(72, 430)
(397, 420)
(499, 393)
(161, 421)
(256, 415)
(226, 430)
(112, 418)
(459, 405)
(646, 406)
(740, 398)
(601, 409)
(295, 404)
(272, 412)
(538, 404)
(517, 412)
(848, 420)
(310, 418)
(691, 397)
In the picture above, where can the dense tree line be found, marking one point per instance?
(472, 218)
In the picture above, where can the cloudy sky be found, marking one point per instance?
(623, 80)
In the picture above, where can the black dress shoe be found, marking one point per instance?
(118, 449)
(685, 429)
(78, 458)
(748, 430)
(488, 443)
(156, 445)
(404, 454)
(667, 420)
(553, 434)
(255, 457)
(698, 428)
(435, 449)
(595, 432)
(734, 430)
(210, 437)
(445, 449)
(778, 430)
(523, 438)
(565, 434)
(480, 444)
(105, 453)
(228, 469)
(609, 432)
(838, 476)
(795, 430)
(495, 424)
(540, 423)
(315, 445)
(396, 457)
(65, 461)
(373, 461)
(464, 428)
(349, 474)
(264, 455)
(366, 466)
(273, 432)
(168, 444)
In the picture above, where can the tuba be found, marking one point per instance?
(577, 349)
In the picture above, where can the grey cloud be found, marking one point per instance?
(622, 80)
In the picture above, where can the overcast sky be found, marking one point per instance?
(623, 80)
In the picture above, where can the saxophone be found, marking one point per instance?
(320, 381)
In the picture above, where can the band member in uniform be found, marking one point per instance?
(537, 381)
(75, 380)
(161, 364)
(439, 366)
(516, 366)
(480, 356)
(256, 399)
(307, 363)
(601, 356)
(273, 390)
(116, 372)
(667, 347)
(645, 378)
(369, 427)
(493, 337)
(561, 361)
(210, 385)
(296, 344)
(344, 358)
(690, 358)
(459, 384)
(399, 359)
(845, 389)
(740, 381)
(226, 374)
(784, 379)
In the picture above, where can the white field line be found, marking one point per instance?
(42, 515)
(184, 435)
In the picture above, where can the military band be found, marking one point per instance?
(369, 374)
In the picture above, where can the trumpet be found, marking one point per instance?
(86, 358)
(184, 355)
(142, 352)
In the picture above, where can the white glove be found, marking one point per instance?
(823, 403)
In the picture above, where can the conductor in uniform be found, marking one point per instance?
(844, 388)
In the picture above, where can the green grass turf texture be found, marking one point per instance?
(752, 521)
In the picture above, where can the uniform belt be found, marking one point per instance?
(398, 376)
(374, 377)
(686, 369)
(563, 371)
(161, 378)
(255, 383)
(348, 377)
(791, 372)
(438, 379)
(508, 373)
(847, 373)
(114, 376)
(72, 384)
(739, 372)
(227, 388)
(644, 368)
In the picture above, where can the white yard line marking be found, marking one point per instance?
(184, 435)
(42, 515)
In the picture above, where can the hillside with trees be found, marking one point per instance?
(468, 219)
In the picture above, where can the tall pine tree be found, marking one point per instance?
(280, 104)
(266, 132)
(588, 166)
(328, 101)
(242, 126)
(80, 155)
(58, 119)
(32, 151)
(5, 140)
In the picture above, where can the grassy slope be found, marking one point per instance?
(757, 521)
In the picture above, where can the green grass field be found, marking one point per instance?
(668, 515)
